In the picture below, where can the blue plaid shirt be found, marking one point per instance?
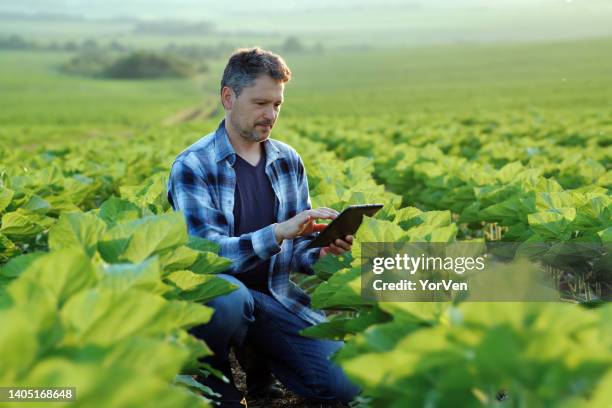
(201, 185)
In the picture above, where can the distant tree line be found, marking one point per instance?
(17, 42)
(293, 45)
(188, 51)
(133, 65)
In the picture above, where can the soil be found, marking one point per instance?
(289, 400)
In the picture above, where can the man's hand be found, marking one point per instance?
(338, 247)
(303, 223)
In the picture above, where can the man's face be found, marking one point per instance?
(254, 112)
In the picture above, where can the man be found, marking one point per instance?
(249, 194)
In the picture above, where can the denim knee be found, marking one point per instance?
(235, 308)
(335, 386)
(332, 382)
(233, 312)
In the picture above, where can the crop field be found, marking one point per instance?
(99, 280)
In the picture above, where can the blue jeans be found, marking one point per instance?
(302, 364)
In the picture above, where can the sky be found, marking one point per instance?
(391, 21)
(201, 9)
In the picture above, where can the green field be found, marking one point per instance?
(559, 78)
(505, 142)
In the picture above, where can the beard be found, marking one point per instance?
(252, 133)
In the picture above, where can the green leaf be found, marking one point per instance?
(553, 200)
(342, 290)
(209, 263)
(135, 241)
(376, 231)
(178, 258)
(37, 204)
(199, 288)
(594, 215)
(61, 273)
(506, 212)
(204, 245)
(603, 393)
(427, 233)
(507, 174)
(339, 327)
(189, 381)
(17, 265)
(23, 224)
(104, 317)
(115, 211)
(405, 214)
(6, 196)
(112, 385)
(553, 224)
(19, 340)
(145, 275)
(76, 230)
(153, 356)
(326, 266)
(8, 249)
(606, 235)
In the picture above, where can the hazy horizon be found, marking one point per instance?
(375, 23)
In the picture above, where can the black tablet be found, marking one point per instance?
(346, 223)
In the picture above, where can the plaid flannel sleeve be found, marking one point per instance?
(303, 259)
(193, 196)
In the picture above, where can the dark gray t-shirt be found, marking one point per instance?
(254, 208)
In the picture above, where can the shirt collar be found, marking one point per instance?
(223, 147)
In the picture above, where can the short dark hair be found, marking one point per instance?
(246, 64)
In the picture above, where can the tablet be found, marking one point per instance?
(346, 223)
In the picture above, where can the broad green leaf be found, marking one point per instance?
(199, 288)
(6, 195)
(18, 339)
(130, 386)
(115, 211)
(552, 224)
(17, 265)
(594, 215)
(326, 266)
(22, 224)
(376, 231)
(103, 317)
(506, 212)
(606, 235)
(135, 241)
(145, 275)
(553, 200)
(76, 230)
(339, 327)
(603, 393)
(342, 290)
(406, 214)
(427, 233)
(8, 249)
(201, 244)
(61, 273)
(507, 174)
(175, 259)
(37, 204)
(418, 312)
(149, 355)
(210, 263)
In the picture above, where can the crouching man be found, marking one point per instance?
(249, 194)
